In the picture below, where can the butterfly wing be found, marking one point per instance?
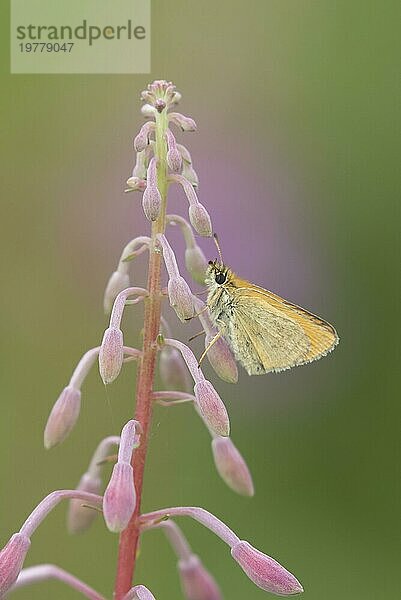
(272, 334)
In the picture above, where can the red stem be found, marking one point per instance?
(143, 413)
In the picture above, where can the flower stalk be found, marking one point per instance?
(129, 538)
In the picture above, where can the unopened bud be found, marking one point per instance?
(221, 359)
(197, 583)
(139, 592)
(151, 200)
(63, 416)
(264, 571)
(80, 517)
(136, 184)
(196, 263)
(173, 370)
(231, 466)
(142, 139)
(116, 284)
(148, 111)
(186, 123)
(119, 498)
(151, 203)
(200, 219)
(174, 159)
(12, 558)
(180, 297)
(111, 354)
(212, 408)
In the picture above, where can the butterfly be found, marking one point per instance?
(265, 332)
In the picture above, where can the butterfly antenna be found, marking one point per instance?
(216, 241)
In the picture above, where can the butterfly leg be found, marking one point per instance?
(213, 340)
(197, 314)
(197, 335)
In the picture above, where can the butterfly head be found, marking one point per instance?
(217, 273)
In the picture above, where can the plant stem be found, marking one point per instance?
(143, 413)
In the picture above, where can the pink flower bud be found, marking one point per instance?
(151, 203)
(264, 571)
(136, 184)
(151, 200)
(180, 297)
(116, 284)
(142, 139)
(63, 416)
(186, 123)
(196, 263)
(119, 498)
(111, 354)
(200, 219)
(148, 111)
(174, 159)
(173, 370)
(12, 558)
(231, 466)
(79, 517)
(139, 592)
(212, 408)
(197, 583)
(221, 359)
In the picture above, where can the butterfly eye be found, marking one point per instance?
(220, 278)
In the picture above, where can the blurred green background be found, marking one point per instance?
(299, 166)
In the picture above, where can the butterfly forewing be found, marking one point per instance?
(281, 334)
